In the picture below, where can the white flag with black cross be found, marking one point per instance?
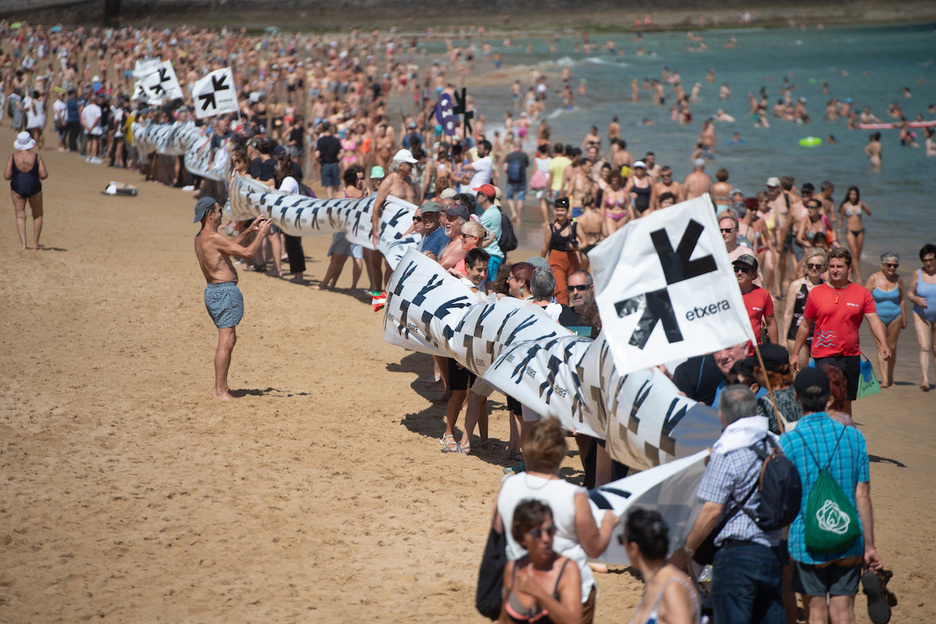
(666, 290)
(215, 94)
(161, 83)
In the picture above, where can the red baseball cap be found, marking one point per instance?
(487, 189)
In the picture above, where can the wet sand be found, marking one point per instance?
(130, 495)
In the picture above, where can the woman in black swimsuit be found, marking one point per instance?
(639, 189)
(25, 171)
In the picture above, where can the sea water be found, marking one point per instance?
(869, 64)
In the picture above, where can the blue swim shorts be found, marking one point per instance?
(225, 304)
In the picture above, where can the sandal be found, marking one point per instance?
(879, 610)
(447, 440)
(458, 448)
(518, 456)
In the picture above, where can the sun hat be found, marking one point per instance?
(377, 172)
(773, 181)
(203, 206)
(640, 165)
(447, 193)
(430, 206)
(23, 141)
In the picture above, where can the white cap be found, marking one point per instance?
(404, 155)
(774, 181)
(640, 164)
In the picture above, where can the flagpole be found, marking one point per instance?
(781, 419)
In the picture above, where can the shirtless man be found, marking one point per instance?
(696, 183)
(874, 152)
(614, 130)
(384, 142)
(575, 180)
(399, 184)
(223, 299)
(667, 184)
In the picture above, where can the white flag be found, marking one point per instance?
(145, 67)
(666, 290)
(161, 83)
(215, 94)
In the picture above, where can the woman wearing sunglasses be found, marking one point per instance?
(815, 262)
(540, 586)
(887, 288)
(577, 534)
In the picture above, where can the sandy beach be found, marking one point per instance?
(130, 495)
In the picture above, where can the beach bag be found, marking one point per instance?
(508, 238)
(831, 522)
(867, 382)
(490, 591)
(539, 180)
(780, 487)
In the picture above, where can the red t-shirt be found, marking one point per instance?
(759, 305)
(836, 329)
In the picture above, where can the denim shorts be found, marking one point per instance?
(516, 190)
(225, 304)
(330, 174)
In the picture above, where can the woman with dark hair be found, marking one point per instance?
(674, 599)
(850, 215)
(922, 295)
(288, 183)
(837, 392)
(578, 537)
(518, 281)
(540, 586)
(341, 249)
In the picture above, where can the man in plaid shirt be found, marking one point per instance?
(746, 578)
(829, 580)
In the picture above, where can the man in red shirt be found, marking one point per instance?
(756, 300)
(836, 309)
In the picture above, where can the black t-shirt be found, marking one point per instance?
(517, 163)
(218, 140)
(698, 378)
(572, 320)
(296, 137)
(328, 147)
(263, 169)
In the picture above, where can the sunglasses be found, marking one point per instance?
(581, 288)
(538, 532)
(417, 219)
(815, 267)
(727, 230)
(469, 236)
(890, 265)
(744, 270)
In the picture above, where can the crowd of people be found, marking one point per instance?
(316, 110)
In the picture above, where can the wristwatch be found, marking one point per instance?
(689, 551)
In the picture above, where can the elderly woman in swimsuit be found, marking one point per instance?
(615, 204)
(669, 596)
(25, 171)
(850, 215)
(887, 288)
(541, 586)
(922, 295)
(814, 230)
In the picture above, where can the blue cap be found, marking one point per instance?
(202, 207)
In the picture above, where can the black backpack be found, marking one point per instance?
(781, 490)
(508, 238)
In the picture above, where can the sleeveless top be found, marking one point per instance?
(887, 303)
(927, 291)
(798, 307)
(26, 183)
(519, 613)
(559, 242)
(654, 616)
(642, 201)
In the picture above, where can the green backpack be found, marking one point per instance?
(832, 523)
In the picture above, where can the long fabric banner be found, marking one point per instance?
(666, 290)
(520, 351)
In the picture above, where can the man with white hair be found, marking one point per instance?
(399, 184)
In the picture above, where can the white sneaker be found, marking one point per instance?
(188, 188)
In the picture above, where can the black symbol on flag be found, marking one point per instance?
(461, 109)
(208, 99)
(677, 267)
(163, 77)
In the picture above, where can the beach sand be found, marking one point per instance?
(130, 495)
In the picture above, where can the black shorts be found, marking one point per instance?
(460, 378)
(850, 365)
(514, 406)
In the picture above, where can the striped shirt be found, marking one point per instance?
(727, 480)
(849, 467)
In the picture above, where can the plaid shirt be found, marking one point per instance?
(727, 480)
(849, 467)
